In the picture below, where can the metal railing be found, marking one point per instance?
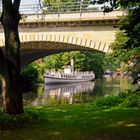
(60, 8)
(81, 8)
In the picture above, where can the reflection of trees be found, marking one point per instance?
(99, 89)
(29, 98)
(87, 96)
(63, 96)
(77, 98)
(34, 97)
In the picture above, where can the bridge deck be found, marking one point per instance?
(72, 16)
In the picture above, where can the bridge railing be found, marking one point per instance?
(69, 10)
(61, 7)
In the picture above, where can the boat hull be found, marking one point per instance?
(55, 80)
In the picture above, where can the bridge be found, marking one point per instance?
(45, 34)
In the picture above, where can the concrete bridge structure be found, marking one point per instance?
(42, 35)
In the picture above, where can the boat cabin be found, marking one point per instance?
(68, 69)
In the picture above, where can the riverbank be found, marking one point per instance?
(77, 122)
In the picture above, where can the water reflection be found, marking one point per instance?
(79, 92)
(75, 93)
(63, 94)
(68, 92)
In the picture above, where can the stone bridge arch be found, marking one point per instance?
(37, 45)
(31, 54)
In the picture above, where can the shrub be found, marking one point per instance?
(125, 94)
(132, 101)
(18, 119)
(131, 98)
(29, 75)
(107, 102)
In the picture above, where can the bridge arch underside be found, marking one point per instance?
(33, 50)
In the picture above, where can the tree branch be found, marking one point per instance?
(6, 4)
(17, 4)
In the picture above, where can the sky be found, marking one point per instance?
(28, 1)
(24, 10)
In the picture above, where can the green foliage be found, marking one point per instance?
(111, 63)
(128, 3)
(131, 98)
(121, 55)
(53, 62)
(132, 101)
(127, 44)
(40, 69)
(18, 119)
(107, 102)
(84, 61)
(33, 73)
(124, 94)
(118, 44)
(127, 98)
(31, 115)
(131, 26)
(36, 114)
(30, 75)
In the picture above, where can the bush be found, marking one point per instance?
(29, 75)
(125, 94)
(132, 101)
(131, 98)
(127, 98)
(107, 102)
(18, 119)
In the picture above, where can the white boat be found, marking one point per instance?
(68, 76)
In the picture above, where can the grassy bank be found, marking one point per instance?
(75, 122)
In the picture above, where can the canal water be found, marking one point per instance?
(77, 92)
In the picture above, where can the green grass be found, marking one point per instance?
(76, 122)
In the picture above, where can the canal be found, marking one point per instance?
(83, 92)
(77, 92)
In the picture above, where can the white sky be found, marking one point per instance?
(28, 1)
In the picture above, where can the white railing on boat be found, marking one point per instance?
(69, 75)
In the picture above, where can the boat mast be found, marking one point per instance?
(72, 64)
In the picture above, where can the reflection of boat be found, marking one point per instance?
(71, 87)
(68, 76)
(67, 91)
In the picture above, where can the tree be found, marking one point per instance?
(11, 90)
(127, 44)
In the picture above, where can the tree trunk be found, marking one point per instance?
(12, 99)
(12, 94)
